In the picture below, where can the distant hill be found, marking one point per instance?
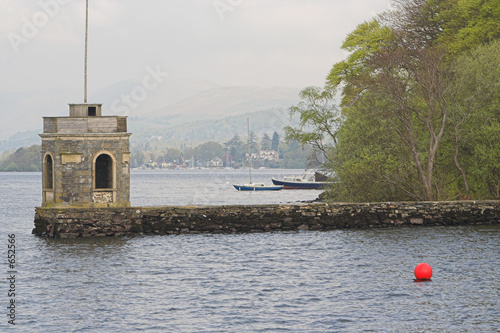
(23, 159)
(20, 139)
(168, 92)
(21, 112)
(178, 110)
(219, 130)
(220, 102)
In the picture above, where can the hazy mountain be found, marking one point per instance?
(132, 98)
(177, 109)
(220, 102)
(20, 139)
(220, 130)
(22, 112)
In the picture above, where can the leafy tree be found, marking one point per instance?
(476, 101)
(368, 38)
(254, 145)
(319, 119)
(468, 24)
(294, 156)
(23, 159)
(173, 155)
(369, 163)
(206, 151)
(266, 142)
(412, 114)
(275, 143)
(236, 148)
(415, 83)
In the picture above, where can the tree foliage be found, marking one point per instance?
(266, 142)
(419, 111)
(476, 93)
(236, 148)
(275, 141)
(206, 151)
(23, 159)
(468, 24)
(318, 123)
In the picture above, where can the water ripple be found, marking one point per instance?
(337, 281)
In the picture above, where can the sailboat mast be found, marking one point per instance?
(249, 155)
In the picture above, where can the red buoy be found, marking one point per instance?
(423, 271)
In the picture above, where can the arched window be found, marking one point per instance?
(48, 170)
(104, 171)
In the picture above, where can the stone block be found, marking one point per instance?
(416, 220)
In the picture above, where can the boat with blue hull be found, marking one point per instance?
(254, 186)
(257, 187)
(300, 185)
(308, 181)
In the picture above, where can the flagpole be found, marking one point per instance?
(249, 155)
(86, 33)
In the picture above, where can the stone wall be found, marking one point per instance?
(74, 171)
(74, 125)
(90, 222)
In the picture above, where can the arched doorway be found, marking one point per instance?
(104, 172)
(48, 172)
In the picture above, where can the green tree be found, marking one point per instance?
(23, 159)
(254, 144)
(468, 24)
(173, 156)
(413, 114)
(369, 162)
(266, 142)
(294, 156)
(275, 141)
(319, 119)
(476, 101)
(206, 151)
(236, 149)
(368, 38)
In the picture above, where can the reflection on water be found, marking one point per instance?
(336, 281)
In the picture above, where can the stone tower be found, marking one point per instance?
(85, 159)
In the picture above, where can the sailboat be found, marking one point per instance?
(254, 186)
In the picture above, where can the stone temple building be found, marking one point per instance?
(86, 159)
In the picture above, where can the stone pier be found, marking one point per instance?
(115, 221)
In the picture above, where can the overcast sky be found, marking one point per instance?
(230, 42)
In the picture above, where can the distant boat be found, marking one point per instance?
(257, 187)
(251, 186)
(309, 180)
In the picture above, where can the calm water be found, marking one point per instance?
(338, 281)
(209, 187)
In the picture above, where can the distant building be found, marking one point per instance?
(151, 165)
(269, 155)
(216, 162)
(166, 165)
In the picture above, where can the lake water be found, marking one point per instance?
(336, 281)
(210, 187)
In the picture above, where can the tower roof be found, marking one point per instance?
(84, 118)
